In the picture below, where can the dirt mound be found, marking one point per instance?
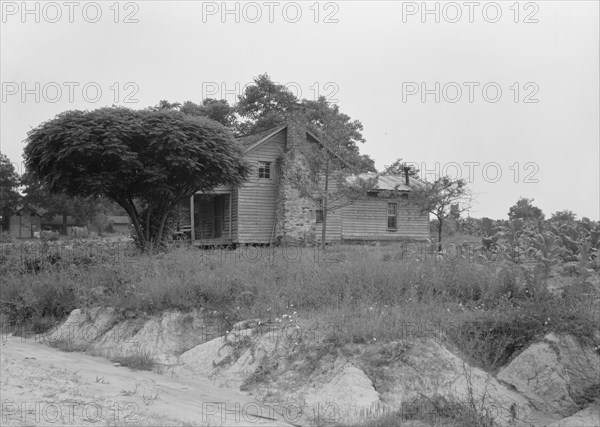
(589, 417)
(558, 369)
(322, 381)
(334, 384)
(162, 337)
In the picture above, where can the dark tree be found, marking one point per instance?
(9, 194)
(566, 215)
(38, 195)
(444, 198)
(146, 161)
(214, 109)
(263, 105)
(525, 210)
(266, 104)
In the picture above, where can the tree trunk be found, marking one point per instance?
(147, 230)
(439, 245)
(163, 220)
(63, 228)
(143, 243)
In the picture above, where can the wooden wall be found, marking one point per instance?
(256, 199)
(334, 218)
(367, 220)
(24, 224)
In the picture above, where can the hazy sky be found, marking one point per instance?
(511, 106)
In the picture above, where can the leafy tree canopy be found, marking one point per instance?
(217, 110)
(146, 161)
(266, 104)
(524, 209)
(565, 215)
(9, 186)
(38, 194)
(445, 197)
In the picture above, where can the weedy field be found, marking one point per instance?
(485, 297)
(488, 297)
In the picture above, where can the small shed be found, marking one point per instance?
(120, 223)
(25, 223)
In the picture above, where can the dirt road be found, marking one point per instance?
(43, 386)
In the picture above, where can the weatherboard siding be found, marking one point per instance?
(367, 220)
(257, 196)
(334, 227)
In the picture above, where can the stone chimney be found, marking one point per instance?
(289, 206)
(406, 175)
(296, 132)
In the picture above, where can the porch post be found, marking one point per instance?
(230, 216)
(192, 217)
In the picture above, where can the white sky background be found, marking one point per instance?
(367, 57)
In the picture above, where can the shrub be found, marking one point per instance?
(141, 360)
(6, 237)
(49, 236)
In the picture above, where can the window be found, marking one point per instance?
(404, 196)
(264, 170)
(392, 218)
(319, 211)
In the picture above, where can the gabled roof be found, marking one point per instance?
(392, 182)
(33, 209)
(252, 141)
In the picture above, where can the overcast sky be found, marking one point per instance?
(511, 106)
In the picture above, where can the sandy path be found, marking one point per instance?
(43, 386)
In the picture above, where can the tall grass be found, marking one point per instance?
(362, 293)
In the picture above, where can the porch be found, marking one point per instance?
(207, 219)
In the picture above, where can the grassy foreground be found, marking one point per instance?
(363, 294)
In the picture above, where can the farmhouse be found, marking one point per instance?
(25, 223)
(267, 208)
